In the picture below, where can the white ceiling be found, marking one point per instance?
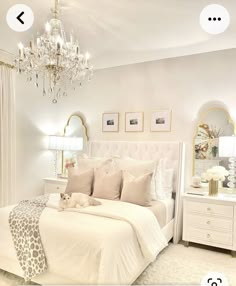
(120, 32)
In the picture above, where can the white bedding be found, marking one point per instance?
(163, 210)
(107, 244)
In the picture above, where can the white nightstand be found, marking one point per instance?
(54, 185)
(210, 220)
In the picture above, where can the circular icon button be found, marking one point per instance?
(214, 19)
(214, 279)
(20, 18)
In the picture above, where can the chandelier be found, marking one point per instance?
(53, 60)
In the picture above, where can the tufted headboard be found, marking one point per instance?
(173, 151)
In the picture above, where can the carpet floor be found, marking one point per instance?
(176, 265)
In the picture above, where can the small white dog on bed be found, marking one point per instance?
(76, 200)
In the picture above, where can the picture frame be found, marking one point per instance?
(110, 122)
(134, 122)
(161, 121)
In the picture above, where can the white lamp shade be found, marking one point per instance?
(227, 146)
(61, 143)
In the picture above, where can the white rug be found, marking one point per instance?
(175, 265)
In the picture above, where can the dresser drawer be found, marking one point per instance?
(210, 209)
(210, 223)
(199, 235)
(54, 188)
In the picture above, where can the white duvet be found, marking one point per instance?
(106, 244)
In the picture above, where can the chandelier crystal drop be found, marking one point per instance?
(58, 62)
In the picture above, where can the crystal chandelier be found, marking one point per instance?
(58, 62)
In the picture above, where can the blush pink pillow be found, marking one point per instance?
(107, 185)
(136, 190)
(80, 182)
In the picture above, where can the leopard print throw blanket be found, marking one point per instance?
(24, 226)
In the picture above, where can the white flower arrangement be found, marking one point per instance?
(216, 173)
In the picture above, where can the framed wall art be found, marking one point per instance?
(161, 121)
(134, 121)
(110, 122)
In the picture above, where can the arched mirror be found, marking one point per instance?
(76, 132)
(212, 124)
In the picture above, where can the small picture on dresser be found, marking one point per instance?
(161, 121)
(134, 121)
(110, 122)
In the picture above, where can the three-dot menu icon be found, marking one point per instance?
(214, 19)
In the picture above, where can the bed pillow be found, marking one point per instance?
(107, 185)
(136, 190)
(164, 181)
(139, 168)
(85, 164)
(80, 182)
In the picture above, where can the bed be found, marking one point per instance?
(108, 245)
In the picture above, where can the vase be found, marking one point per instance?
(213, 188)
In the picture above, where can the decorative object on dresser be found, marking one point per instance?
(110, 122)
(61, 143)
(211, 123)
(134, 121)
(161, 121)
(214, 176)
(54, 185)
(210, 220)
(227, 148)
(196, 181)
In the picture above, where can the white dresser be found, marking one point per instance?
(54, 185)
(210, 220)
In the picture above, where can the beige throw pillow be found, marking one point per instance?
(107, 185)
(139, 168)
(80, 183)
(136, 190)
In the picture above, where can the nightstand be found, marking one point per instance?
(54, 185)
(210, 220)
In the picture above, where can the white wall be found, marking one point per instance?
(183, 85)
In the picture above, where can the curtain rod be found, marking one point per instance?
(6, 65)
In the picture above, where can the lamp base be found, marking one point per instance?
(232, 173)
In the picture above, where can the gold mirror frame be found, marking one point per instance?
(82, 120)
(82, 123)
(201, 115)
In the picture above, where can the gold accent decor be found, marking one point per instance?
(84, 133)
(201, 121)
(213, 188)
(6, 65)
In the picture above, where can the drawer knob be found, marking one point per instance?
(58, 188)
(208, 235)
(209, 209)
(208, 222)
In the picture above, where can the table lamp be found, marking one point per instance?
(62, 143)
(227, 149)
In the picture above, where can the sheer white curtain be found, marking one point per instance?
(7, 135)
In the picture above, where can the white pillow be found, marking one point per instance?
(136, 190)
(164, 181)
(139, 168)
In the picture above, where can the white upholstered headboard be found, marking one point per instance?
(153, 150)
